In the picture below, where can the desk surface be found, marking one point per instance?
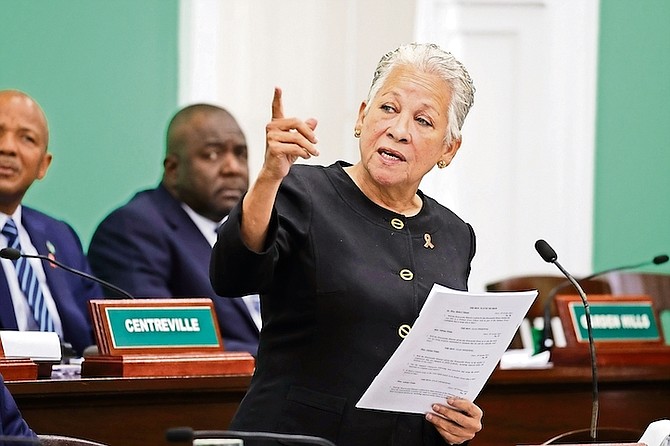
(520, 406)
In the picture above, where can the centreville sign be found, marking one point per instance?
(161, 327)
(615, 321)
(162, 324)
(160, 337)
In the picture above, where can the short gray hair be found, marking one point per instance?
(430, 58)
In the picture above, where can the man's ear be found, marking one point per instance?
(170, 164)
(44, 165)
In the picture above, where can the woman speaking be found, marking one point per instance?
(344, 257)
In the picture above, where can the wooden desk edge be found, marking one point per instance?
(568, 374)
(116, 384)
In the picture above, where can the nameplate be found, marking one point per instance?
(165, 325)
(625, 329)
(625, 321)
(159, 327)
(160, 337)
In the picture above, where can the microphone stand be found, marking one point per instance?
(592, 349)
(549, 255)
(13, 254)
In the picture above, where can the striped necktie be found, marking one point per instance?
(28, 280)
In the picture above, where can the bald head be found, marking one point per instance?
(24, 138)
(182, 124)
(34, 113)
(205, 162)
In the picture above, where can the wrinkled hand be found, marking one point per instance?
(458, 421)
(286, 139)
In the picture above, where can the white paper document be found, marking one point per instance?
(451, 350)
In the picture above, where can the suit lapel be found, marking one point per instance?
(38, 231)
(192, 239)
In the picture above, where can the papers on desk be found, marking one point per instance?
(525, 359)
(451, 350)
(36, 345)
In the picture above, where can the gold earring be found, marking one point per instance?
(441, 164)
(357, 133)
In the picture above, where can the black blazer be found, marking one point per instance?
(338, 278)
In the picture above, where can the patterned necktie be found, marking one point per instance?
(28, 280)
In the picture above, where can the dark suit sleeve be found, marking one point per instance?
(129, 251)
(12, 423)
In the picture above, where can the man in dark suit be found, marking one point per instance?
(34, 295)
(12, 423)
(159, 243)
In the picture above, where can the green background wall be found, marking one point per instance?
(632, 178)
(105, 73)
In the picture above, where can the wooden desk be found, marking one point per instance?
(130, 411)
(532, 406)
(520, 406)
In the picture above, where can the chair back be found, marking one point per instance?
(656, 286)
(544, 286)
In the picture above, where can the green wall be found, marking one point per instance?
(632, 178)
(105, 73)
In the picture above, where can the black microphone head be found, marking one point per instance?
(15, 254)
(546, 252)
(179, 435)
(658, 260)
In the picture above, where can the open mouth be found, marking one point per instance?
(390, 155)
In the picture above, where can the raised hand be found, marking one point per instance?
(287, 139)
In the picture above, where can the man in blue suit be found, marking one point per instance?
(159, 243)
(36, 295)
(12, 423)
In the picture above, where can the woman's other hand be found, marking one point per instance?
(457, 421)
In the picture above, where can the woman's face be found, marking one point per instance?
(402, 135)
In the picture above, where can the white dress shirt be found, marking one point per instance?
(208, 229)
(22, 311)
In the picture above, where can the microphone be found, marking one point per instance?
(187, 434)
(15, 254)
(547, 341)
(549, 255)
(658, 260)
